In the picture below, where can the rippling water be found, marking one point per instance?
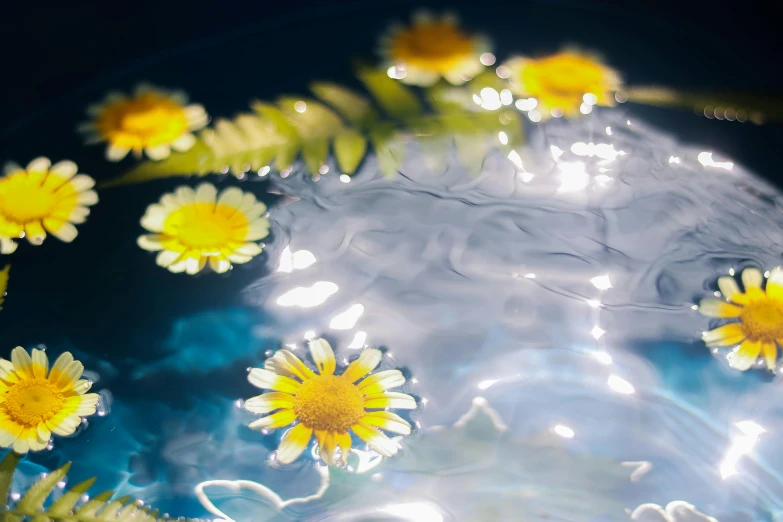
(542, 313)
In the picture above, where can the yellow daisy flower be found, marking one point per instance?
(43, 198)
(431, 49)
(191, 227)
(563, 81)
(759, 329)
(36, 401)
(329, 405)
(151, 120)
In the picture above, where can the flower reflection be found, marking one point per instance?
(328, 405)
(564, 84)
(432, 48)
(759, 328)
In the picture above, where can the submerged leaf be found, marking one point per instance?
(34, 498)
(4, 283)
(396, 100)
(351, 106)
(7, 467)
(349, 149)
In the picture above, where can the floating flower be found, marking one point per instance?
(563, 82)
(759, 328)
(431, 49)
(329, 405)
(36, 402)
(40, 198)
(193, 227)
(152, 120)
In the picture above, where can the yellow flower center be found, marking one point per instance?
(22, 202)
(147, 120)
(206, 226)
(434, 45)
(762, 320)
(31, 402)
(329, 402)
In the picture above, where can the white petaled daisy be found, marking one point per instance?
(432, 48)
(36, 401)
(151, 120)
(759, 314)
(43, 198)
(329, 406)
(194, 227)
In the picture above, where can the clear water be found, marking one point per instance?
(543, 397)
(483, 290)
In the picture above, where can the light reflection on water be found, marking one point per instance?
(543, 315)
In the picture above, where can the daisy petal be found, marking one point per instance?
(151, 242)
(40, 364)
(379, 442)
(23, 363)
(725, 335)
(276, 420)
(206, 193)
(326, 446)
(184, 142)
(388, 421)
(746, 355)
(323, 355)
(775, 283)
(714, 307)
(265, 379)
(367, 361)
(752, 278)
(381, 381)
(343, 441)
(41, 164)
(65, 169)
(158, 152)
(116, 153)
(770, 351)
(399, 400)
(293, 443)
(269, 402)
(231, 197)
(286, 363)
(219, 265)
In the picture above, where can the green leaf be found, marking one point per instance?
(314, 153)
(7, 468)
(350, 105)
(63, 505)
(310, 119)
(350, 147)
(91, 507)
(389, 152)
(35, 496)
(396, 100)
(288, 148)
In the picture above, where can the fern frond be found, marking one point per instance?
(344, 123)
(100, 508)
(3, 283)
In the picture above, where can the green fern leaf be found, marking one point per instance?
(349, 149)
(7, 468)
(34, 499)
(355, 108)
(65, 504)
(91, 507)
(394, 98)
